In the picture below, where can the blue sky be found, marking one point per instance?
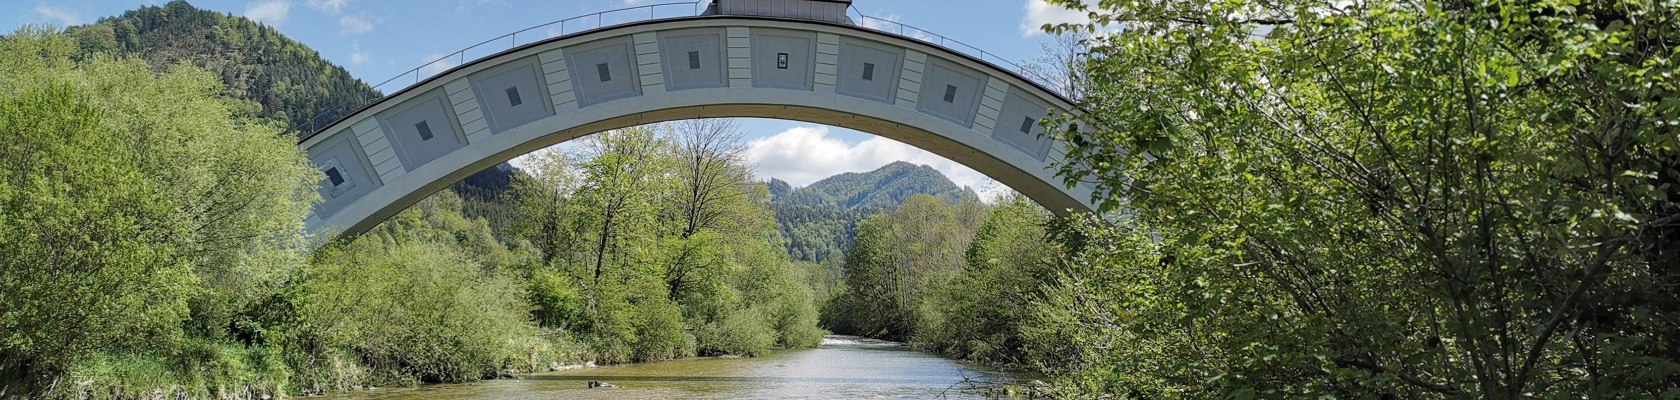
(378, 39)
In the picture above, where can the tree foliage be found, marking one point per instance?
(656, 243)
(134, 206)
(1407, 199)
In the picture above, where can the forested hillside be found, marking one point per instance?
(289, 81)
(819, 220)
(883, 188)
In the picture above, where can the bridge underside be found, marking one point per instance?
(411, 144)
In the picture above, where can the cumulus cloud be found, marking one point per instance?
(359, 58)
(1038, 13)
(271, 13)
(57, 15)
(328, 6)
(803, 155)
(437, 63)
(356, 24)
(890, 24)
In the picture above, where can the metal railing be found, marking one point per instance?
(911, 32)
(626, 15)
(486, 48)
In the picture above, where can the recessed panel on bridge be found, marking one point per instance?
(346, 174)
(1018, 125)
(603, 70)
(869, 69)
(512, 94)
(422, 129)
(951, 92)
(693, 58)
(783, 58)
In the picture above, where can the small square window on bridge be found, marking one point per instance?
(513, 97)
(604, 71)
(693, 60)
(950, 93)
(868, 71)
(1027, 124)
(334, 177)
(781, 60)
(425, 130)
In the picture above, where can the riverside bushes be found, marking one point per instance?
(151, 246)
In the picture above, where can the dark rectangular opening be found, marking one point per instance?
(1027, 125)
(604, 71)
(868, 71)
(425, 130)
(950, 93)
(513, 97)
(334, 177)
(693, 60)
(781, 60)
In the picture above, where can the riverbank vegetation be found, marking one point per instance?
(1375, 199)
(154, 248)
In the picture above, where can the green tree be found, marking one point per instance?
(1404, 199)
(135, 205)
(980, 312)
(897, 261)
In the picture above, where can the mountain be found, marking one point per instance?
(885, 187)
(289, 80)
(820, 220)
(282, 80)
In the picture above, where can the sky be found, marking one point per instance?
(376, 40)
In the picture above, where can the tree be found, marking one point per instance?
(134, 204)
(1409, 199)
(981, 311)
(898, 259)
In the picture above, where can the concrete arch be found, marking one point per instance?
(394, 152)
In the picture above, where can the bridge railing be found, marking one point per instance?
(535, 33)
(1037, 75)
(648, 12)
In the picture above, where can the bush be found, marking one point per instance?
(740, 332)
(414, 311)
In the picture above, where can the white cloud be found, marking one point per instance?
(1039, 13)
(271, 13)
(356, 24)
(328, 6)
(890, 24)
(437, 63)
(803, 155)
(358, 57)
(57, 15)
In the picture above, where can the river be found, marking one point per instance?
(844, 367)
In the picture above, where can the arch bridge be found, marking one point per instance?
(803, 60)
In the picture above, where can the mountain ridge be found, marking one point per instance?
(820, 220)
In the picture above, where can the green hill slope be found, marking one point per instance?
(821, 219)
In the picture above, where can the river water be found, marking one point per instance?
(844, 367)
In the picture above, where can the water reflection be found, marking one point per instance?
(843, 368)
